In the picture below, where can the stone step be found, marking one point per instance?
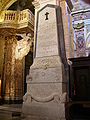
(10, 112)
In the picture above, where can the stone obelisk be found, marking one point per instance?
(46, 83)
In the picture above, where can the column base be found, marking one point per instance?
(44, 111)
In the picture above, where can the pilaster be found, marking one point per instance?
(71, 37)
(66, 28)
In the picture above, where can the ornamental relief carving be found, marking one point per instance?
(23, 46)
(54, 97)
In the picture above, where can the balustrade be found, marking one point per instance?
(26, 15)
(10, 16)
(16, 17)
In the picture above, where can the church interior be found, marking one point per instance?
(18, 27)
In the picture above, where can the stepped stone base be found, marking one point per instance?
(45, 98)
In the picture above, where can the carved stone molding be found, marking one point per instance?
(46, 62)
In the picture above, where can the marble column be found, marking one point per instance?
(2, 46)
(13, 73)
(9, 80)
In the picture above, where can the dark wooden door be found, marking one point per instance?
(82, 83)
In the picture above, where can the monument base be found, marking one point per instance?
(46, 90)
(46, 111)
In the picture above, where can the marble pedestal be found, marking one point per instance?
(46, 83)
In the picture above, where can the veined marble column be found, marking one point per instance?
(13, 74)
(2, 46)
(9, 80)
(47, 79)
